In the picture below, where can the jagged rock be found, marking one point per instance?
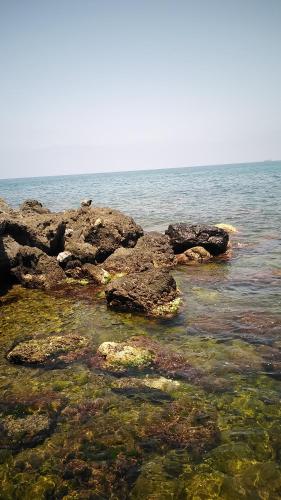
(150, 292)
(52, 351)
(184, 236)
(64, 257)
(153, 250)
(42, 231)
(35, 269)
(101, 229)
(4, 207)
(194, 254)
(8, 254)
(33, 206)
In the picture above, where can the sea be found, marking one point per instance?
(146, 435)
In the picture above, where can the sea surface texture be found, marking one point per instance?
(76, 433)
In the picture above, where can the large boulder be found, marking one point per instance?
(103, 229)
(153, 250)
(152, 292)
(42, 231)
(184, 236)
(35, 269)
(53, 351)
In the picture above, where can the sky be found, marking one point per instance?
(95, 86)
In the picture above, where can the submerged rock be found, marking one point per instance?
(118, 355)
(144, 354)
(194, 255)
(51, 351)
(24, 431)
(184, 236)
(152, 292)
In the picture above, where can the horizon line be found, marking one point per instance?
(142, 170)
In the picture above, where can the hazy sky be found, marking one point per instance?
(103, 85)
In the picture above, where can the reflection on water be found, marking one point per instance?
(78, 433)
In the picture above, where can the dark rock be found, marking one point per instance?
(150, 292)
(42, 231)
(35, 269)
(103, 229)
(184, 236)
(52, 351)
(151, 250)
(8, 254)
(33, 206)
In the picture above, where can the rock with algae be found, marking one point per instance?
(51, 351)
(194, 255)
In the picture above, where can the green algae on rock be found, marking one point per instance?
(52, 351)
(121, 355)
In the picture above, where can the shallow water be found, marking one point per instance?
(140, 436)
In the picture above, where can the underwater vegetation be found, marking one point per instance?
(97, 404)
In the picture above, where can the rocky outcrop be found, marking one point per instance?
(184, 236)
(101, 229)
(52, 351)
(152, 292)
(9, 249)
(153, 250)
(35, 269)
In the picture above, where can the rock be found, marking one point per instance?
(35, 269)
(86, 203)
(184, 236)
(142, 353)
(95, 274)
(227, 227)
(151, 250)
(103, 229)
(77, 469)
(33, 206)
(63, 257)
(4, 207)
(8, 254)
(194, 255)
(51, 351)
(150, 292)
(42, 231)
(119, 356)
(29, 430)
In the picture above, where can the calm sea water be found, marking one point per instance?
(229, 327)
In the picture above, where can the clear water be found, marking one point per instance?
(229, 327)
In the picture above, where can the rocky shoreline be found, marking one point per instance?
(105, 248)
